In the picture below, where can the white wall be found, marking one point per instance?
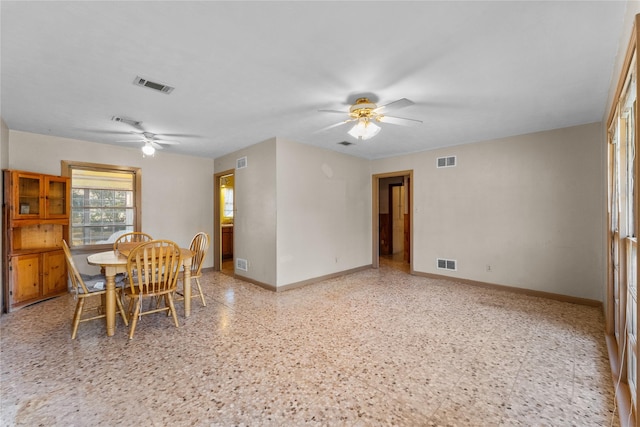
(324, 212)
(530, 206)
(177, 190)
(254, 224)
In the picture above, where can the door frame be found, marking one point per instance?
(217, 226)
(375, 215)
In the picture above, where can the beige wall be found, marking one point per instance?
(324, 212)
(177, 191)
(254, 230)
(302, 212)
(529, 206)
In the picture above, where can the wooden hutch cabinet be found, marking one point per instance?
(35, 221)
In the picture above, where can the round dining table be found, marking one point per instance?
(115, 262)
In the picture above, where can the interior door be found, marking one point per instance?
(224, 212)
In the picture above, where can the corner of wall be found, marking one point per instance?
(4, 144)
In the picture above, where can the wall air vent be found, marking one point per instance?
(446, 264)
(242, 264)
(241, 163)
(141, 81)
(446, 162)
(345, 143)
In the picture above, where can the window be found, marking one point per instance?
(228, 203)
(226, 194)
(105, 202)
(623, 225)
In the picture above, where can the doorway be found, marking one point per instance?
(392, 222)
(224, 210)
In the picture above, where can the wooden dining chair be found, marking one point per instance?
(86, 287)
(152, 269)
(132, 237)
(199, 246)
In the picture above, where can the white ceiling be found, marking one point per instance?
(245, 72)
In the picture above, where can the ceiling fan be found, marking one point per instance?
(365, 113)
(152, 142)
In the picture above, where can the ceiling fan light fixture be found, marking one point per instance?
(364, 129)
(147, 149)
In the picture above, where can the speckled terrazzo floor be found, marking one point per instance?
(379, 347)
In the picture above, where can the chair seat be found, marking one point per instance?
(148, 293)
(98, 282)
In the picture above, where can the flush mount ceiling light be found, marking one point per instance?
(365, 113)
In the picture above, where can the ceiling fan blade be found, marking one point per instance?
(132, 140)
(400, 121)
(334, 125)
(166, 141)
(110, 132)
(333, 111)
(156, 146)
(395, 105)
(176, 135)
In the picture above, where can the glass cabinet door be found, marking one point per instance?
(57, 203)
(28, 196)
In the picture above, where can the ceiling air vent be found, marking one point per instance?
(125, 120)
(345, 143)
(141, 81)
(446, 162)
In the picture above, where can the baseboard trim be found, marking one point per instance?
(321, 278)
(530, 292)
(303, 282)
(255, 282)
